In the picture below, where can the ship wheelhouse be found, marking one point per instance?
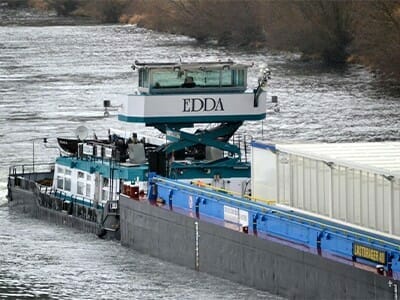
(192, 93)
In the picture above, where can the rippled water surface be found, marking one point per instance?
(53, 79)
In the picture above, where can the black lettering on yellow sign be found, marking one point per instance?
(369, 253)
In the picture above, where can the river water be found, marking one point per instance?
(55, 78)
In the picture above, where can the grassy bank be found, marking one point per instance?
(336, 32)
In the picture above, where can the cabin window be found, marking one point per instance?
(81, 175)
(67, 184)
(68, 172)
(60, 182)
(80, 188)
(88, 189)
(88, 177)
(60, 170)
(105, 181)
(104, 195)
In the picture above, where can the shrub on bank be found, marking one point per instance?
(64, 7)
(377, 36)
(107, 11)
(13, 3)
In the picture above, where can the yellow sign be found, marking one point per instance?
(369, 253)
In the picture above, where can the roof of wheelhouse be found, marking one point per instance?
(229, 64)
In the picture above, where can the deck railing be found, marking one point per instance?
(243, 142)
(27, 169)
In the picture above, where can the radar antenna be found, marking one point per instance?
(81, 133)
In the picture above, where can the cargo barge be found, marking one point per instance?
(301, 221)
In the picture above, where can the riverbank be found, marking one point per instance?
(335, 32)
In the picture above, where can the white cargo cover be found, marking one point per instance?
(357, 183)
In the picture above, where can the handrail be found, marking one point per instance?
(242, 141)
(227, 198)
(339, 229)
(13, 170)
(252, 198)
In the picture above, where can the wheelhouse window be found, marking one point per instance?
(144, 78)
(207, 78)
(238, 77)
(227, 78)
(203, 78)
(167, 79)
